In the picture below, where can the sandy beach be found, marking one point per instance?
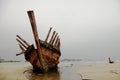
(13, 70)
(67, 70)
(23, 71)
(100, 71)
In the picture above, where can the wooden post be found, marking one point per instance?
(52, 37)
(48, 34)
(23, 40)
(56, 41)
(59, 43)
(35, 33)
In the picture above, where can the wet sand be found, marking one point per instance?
(100, 71)
(67, 70)
(13, 70)
(23, 71)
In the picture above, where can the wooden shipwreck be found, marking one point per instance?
(46, 54)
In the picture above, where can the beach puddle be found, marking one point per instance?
(66, 71)
(53, 75)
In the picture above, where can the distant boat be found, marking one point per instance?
(45, 56)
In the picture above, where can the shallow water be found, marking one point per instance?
(67, 70)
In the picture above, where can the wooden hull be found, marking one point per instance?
(50, 58)
(46, 54)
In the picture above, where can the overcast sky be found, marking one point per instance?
(89, 29)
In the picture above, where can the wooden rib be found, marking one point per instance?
(48, 34)
(21, 43)
(22, 49)
(23, 40)
(56, 41)
(19, 53)
(52, 37)
(36, 38)
(58, 45)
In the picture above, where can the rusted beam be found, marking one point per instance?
(35, 33)
(23, 40)
(52, 37)
(48, 34)
(22, 43)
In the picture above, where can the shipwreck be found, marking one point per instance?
(44, 56)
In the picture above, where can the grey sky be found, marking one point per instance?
(89, 29)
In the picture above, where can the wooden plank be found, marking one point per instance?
(22, 43)
(23, 40)
(35, 33)
(19, 53)
(48, 34)
(22, 49)
(52, 37)
(56, 41)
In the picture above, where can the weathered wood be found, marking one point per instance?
(59, 43)
(23, 40)
(22, 49)
(22, 43)
(19, 53)
(48, 34)
(52, 37)
(45, 55)
(56, 41)
(35, 33)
